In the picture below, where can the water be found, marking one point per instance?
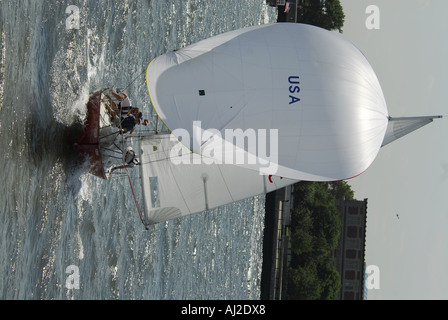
(53, 215)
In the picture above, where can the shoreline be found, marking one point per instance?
(276, 243)
(267, 245)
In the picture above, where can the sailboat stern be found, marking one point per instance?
(88, 136)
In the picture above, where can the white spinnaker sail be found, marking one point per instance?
(176, 185)
(315, 88)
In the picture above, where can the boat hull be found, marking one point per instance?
(88, 139)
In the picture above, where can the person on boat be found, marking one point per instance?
(128, 124)
(129, 115)
(124, 107)
(129, 160)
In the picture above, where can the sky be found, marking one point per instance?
(409, 177)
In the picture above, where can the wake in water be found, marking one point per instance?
(77, 69)
(56, 144)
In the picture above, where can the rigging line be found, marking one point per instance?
(227, 187)
(109, 135)
(115, 157)
(136, 201)
(144, 70)
(103, 121)
(158, 160)
(168, 157)
(121, 150)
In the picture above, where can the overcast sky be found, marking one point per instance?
(409, 53)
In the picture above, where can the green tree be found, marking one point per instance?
(327, 14)
(331, 281)
(341, 190)
(327, 224)
(304, 284)
(302, 218)
(316, 225)
(302, 242)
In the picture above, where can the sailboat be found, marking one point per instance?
(248, 112)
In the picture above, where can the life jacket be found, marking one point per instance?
(129, 157)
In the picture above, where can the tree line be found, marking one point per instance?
(315, 232)
(327, 14)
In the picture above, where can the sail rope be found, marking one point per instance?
(134, 80)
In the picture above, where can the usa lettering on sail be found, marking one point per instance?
(294, 89)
